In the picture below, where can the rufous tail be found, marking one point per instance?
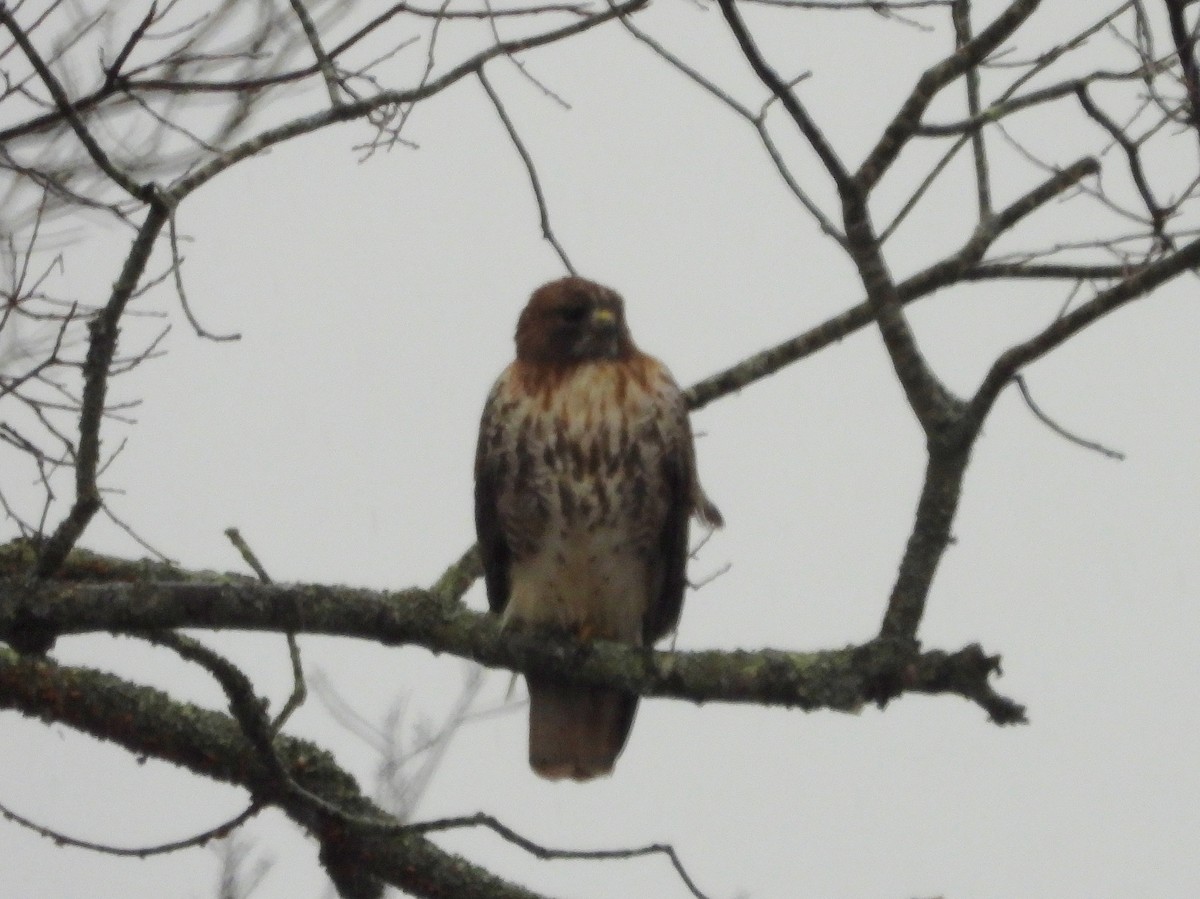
(576, 732)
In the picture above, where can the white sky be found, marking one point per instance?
(376, 304)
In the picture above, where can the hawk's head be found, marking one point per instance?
(573, 320)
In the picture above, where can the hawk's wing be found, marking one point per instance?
(489, 470)
(682, 497)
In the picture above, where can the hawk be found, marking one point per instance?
(585, 481)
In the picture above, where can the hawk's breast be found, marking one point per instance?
(582, 496)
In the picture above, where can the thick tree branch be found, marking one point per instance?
(928, 541)
(147, 722)
(842, 679)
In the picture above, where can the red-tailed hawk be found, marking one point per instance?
(585, 479)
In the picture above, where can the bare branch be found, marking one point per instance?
(784, 94)
(143, 192)
(200, 839)
(961, 265)
(177, 274)
(542, 852)
(961, 16)
(113, 73)
(458, 578)
(1185, 52)
(299, 687)
(103, 331)
(1158, 215)
(212, 745)
(1133, 287)
(1059, 429)
(360, 108)
(841, 680)
(247, 554)
(908, 119)
(534, 182)
(757, 120)
(324, 63)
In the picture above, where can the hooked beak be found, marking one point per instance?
(605, 318)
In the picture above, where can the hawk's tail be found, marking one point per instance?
(577, 732)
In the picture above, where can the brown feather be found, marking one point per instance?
(576, 732)
(585, 479)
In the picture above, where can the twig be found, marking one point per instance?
(177, 274)
(520, 66)
(905, 123)
(958, 265)
(960, 13)
(457, 579)
(756, 120)
(324, 63)
(434, 750)
(771, 79)
(1158, 216)
(143, 192)
(1059, 429)
(247, 554)
(1131, 288)
(534, 181)
(299, 686)
(542, 852)
(134, 535)
(708, 579)
(358, 109)
(62, 839)
(112, 73)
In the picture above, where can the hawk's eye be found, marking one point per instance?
(573, 314)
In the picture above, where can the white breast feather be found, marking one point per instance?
(591, 572)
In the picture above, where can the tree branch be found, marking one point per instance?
(906, 122)
(102, 346)
(960, 13)
(143, 192)
(324, 63)
(349, 111)
(961, 265)
(842, 679)
(783, 93)
(1185, 51)
(147, 722)
(1136, 285)
(530, 169)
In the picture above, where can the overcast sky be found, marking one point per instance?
(376, 303)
